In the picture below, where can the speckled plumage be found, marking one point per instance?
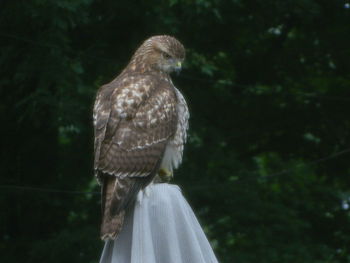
(140, 122)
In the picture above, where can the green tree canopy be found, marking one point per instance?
(266, 166)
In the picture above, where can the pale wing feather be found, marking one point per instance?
(174, 150)
(181, 131)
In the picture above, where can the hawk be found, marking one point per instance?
(140, 123)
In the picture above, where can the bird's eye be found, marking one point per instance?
(167, 56)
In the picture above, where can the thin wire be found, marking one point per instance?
(322, 96)
(244, 178)
(50, 190)
(324, 159)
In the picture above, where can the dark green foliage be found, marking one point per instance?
(266, 168)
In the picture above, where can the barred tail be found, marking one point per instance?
(111, 222)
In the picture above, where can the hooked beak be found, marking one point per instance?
(178, 67)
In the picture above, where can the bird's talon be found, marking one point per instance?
(165, 175)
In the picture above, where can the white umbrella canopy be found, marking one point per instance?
(161, 228)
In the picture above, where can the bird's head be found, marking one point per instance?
(162, 53)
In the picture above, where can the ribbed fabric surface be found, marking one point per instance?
(161, 229)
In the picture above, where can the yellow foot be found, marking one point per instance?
(165, 175)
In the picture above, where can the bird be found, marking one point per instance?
(140, 127)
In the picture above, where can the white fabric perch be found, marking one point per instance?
(161, 229)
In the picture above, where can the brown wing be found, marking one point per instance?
(132, 128)
(134, 118)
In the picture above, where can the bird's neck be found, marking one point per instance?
(139, 66)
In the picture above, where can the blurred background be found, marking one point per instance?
(266, 168)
